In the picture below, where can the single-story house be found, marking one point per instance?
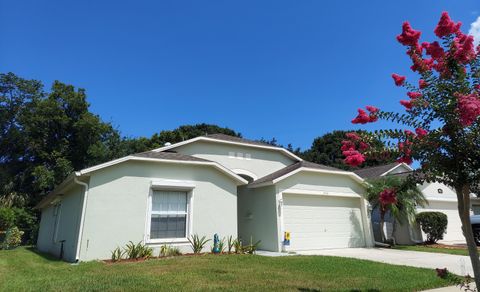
(440, 198)
(210, 184)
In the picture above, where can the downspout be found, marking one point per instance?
(82, 217)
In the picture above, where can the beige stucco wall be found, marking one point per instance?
(325, 182)
(68, 225)
(116, 209)
(261, 163)
(257, 216)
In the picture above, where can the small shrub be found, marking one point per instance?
(237, 246)
(434, 224)
(198, 243)
(139, 250)
(117, 254)
(221, 245)
(169, 251)
(230, 242)
(13, 238)
(252, 247)
(146, 252)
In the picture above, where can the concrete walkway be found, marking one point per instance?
(456, 264)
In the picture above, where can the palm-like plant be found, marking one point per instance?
(405, 198)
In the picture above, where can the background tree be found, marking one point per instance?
(326, 150)
(396, 197)
(441, 119)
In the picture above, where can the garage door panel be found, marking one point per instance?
(322, 222)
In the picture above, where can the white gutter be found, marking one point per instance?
(82, 217)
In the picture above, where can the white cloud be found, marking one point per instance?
(475, 30)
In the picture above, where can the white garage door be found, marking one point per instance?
(454, 227)
(317, 222)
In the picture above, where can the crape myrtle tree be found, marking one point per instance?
(440, 126)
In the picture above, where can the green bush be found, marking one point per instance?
(7, 218)
(23, 219)
(434, 224)
(13, 238)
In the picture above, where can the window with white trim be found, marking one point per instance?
(169, 212)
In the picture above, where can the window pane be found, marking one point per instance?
(168, 226)
(169, 202)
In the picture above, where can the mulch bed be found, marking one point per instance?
(446, 246)
(138, 260)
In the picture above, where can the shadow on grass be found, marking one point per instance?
(43, 255)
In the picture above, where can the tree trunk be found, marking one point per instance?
(463, 195)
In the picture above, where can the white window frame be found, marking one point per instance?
(170, 185)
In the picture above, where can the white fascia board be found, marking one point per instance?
(339, 172)
(135, 158)
(438, 199)
(352, 175)
(397, 166)
(285, 151)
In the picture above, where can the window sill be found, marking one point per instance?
(168, 240)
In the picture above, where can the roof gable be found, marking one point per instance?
(226, 139)
(382, 170)
(290, 170)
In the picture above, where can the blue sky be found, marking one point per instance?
(292, 70)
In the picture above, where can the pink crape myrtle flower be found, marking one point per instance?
(363, 117)
(352, 136)
(347, 145)
(421, 132)
(353, 158)
(407, 104)
(468, 108)
(414, 95)
(398, 79)
(363, 146)
(372, 109)
(435, 50)
(388, 196)
(465, 48)
(409, 36)
(446, 26)
(422, 84)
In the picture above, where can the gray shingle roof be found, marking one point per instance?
(169, 156)
(290, 168)
(225, 137)
(376, 171)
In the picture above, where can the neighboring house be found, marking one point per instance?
(206, 185)
(440, 198)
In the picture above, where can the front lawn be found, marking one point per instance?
(434, 248)
(23, 269)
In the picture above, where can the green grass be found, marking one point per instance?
(23, 269)
(455, 251)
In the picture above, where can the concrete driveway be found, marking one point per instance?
(459, 265)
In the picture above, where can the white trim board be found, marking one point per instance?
(352, 175)
(397, 166)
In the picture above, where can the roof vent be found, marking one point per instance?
(167, 144)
